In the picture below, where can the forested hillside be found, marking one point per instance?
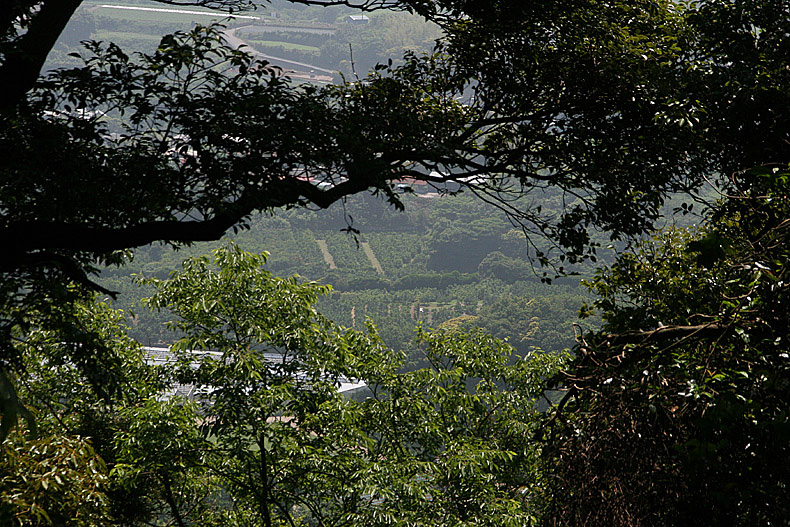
(446, 260)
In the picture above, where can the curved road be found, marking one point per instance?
(291, 67)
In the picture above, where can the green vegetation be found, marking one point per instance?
(686, 383)
(262, 45)
(130, 40)
(272, 442)
(409, 290)
(574, 124)
(386, 37)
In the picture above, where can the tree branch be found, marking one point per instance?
(23, 63)
(32, 240)
(666, 333)
(66, 264)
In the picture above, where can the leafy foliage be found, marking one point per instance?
(77, 465)
(51, 480)
(447, 443)
(676, 407)
(605, 108)
(453, 440)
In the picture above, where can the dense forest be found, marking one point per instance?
(396, 262)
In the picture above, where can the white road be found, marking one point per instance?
(214, 14)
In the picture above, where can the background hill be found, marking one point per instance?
(445, 260)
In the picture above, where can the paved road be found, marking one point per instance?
(313, 71)
(213, 14)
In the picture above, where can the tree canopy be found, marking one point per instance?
(268, 439)
(615, 105)
(611, 106)
(685, 384)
